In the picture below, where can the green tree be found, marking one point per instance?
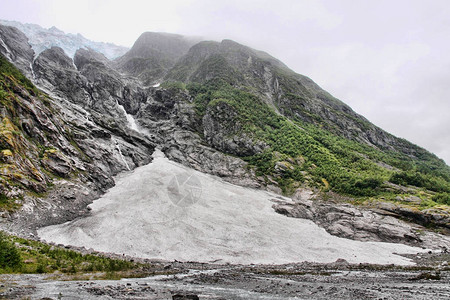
(9, 255)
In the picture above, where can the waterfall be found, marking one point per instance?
(8, 52)
(131, 121)
(32, 71)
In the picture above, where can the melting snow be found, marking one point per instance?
(165, 210)
(121, 155)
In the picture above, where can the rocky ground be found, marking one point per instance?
(430, 279)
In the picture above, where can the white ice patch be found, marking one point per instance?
(167, 211)
(121, 155)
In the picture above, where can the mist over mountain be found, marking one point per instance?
(153, 54)
(42, 38)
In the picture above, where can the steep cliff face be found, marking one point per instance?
(14, 45)
(62, 147)
(223, 130)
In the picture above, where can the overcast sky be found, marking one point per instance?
(389, 60)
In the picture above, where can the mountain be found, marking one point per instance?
(292, 95)
(251, 105)
(41, 39)
(220, 108)
(153, 54)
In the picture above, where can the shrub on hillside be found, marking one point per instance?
(443, 198)
(9, 255)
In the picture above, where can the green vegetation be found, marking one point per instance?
(10, 259)
(299, 151)
(7, 70)
(6, 203)
(442, 198)
(427, 181)
(217, 66)
(18, 255)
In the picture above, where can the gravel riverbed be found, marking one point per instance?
(430, 279)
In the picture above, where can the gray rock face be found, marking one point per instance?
(90, 83)
(426, 217)
(14, 45)
(169, 117)
(346, 220)
(55, 71)
(88, 56)
(160, 106)
(78, 137)
(185, 147)
(223, 131)
(152, 55)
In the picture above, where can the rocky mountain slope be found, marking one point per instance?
(42, 38)
(152, 55)
(222, 108)
(53, 148)
(289, 94)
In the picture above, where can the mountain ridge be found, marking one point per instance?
(153, 54)
(271, 81)
(41, 39)
(235, 112)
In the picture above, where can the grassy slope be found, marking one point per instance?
(18, 255)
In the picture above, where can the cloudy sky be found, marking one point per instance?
(389, 60)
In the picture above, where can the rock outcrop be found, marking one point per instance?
(223, 130)
(14, 46)
(152, 55)
(348, 221)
